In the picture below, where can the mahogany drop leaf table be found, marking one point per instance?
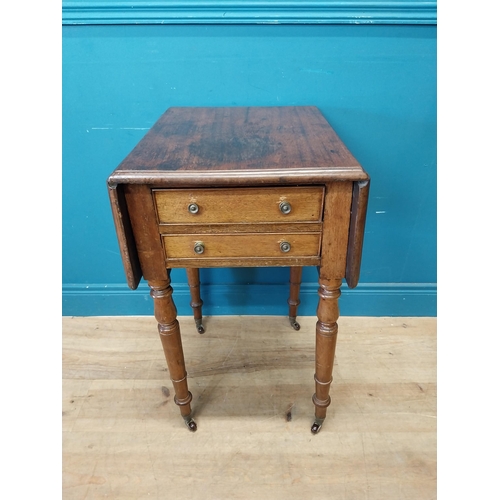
(241, 187)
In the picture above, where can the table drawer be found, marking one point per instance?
(240, 205)
(201, 246)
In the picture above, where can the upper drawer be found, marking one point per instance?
(223, 206)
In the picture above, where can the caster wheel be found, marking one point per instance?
(191, 424)
(316, 426)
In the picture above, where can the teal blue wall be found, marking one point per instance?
(375, 84)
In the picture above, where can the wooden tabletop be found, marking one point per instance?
(204, 145)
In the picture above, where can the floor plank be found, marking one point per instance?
(123, 436)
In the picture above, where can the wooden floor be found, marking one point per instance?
(123, 436)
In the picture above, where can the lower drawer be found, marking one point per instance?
(201, 246)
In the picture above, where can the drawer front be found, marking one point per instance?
(241, 205)
(257, 245)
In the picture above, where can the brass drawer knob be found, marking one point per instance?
(285, 246)
(199, 247)
(285, 207)
(193, 208)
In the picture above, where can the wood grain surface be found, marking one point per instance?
(235, 138)
(335, 231)
(180, 246)
(145, 230)
(226, 206)
(267, 227)
(356, 231)
(252, 382)
(125, 237)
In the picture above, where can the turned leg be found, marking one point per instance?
(170, 335)
(326, 339)
(193, 276)
(293, 300)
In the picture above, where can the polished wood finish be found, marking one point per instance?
(181, 246)
(335, 237)
(193, 276)
(245, 262)
(356, 232)
(326, 340)
(257, 146)
(294, 300)
(125, 236)
(235, 166)
(147, 240)
(170, 335)
(238, 206)
(203, 140)
(292, 227)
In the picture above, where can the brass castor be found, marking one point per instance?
(199, 326)
(190, 423)
(293, 322)
(316, 426)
